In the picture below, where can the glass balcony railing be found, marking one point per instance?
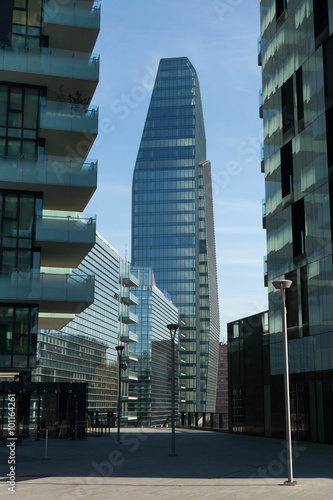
(66, 116)
(77, 228)
(49, 170)
(128, 317)
(52, 62)
(128, 279)
(79, 13)
(47, 287)
(129, 375)
(126, 336)
(129, 298)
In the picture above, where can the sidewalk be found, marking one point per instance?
(209, 465)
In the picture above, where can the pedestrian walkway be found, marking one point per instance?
(209, 465)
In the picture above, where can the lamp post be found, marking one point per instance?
(282, 285)
(173, 330)
(119, 349)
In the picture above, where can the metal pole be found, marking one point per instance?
(173, 440)
(119, 397)
(46, 442)
(290, 481)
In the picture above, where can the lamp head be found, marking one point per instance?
(282, 284)
(119, 348)
(173, 327)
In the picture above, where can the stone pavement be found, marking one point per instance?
(209, 465)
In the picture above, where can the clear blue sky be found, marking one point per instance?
(220, 39)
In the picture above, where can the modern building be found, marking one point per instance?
(153, 388)
(296, 53)
(222, 380)
(249, 376)
(84, 350)
(48, 76)
(173, 226)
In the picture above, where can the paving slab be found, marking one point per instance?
(209, 465)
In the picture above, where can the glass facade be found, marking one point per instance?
(84, 350)
(153, 351)
(34, 183)
(172, 223)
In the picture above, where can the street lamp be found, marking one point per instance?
(121, 366)
(173, 330)
(282, 285)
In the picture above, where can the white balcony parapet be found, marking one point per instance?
(128, 317)
(78, 13)
(126, 336)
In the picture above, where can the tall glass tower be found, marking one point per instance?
(173, 226)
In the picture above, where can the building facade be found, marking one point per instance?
(153, 350)
(47, 79)
(173, 226)
(84, 350)
(296, 54)
(222, 380)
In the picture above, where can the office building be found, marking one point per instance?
(84, 350)
(173, 226)
(153, 351)
(222, 380)
(47, 79)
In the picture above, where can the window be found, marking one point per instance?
(298, 226)
(287, 105)
(281, 6)
(26, 28)
(305, 301)
(299, 89)
(287, 175)
(329, 135)
(292, 306)
(328, 71)
(320, 15)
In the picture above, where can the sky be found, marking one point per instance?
(220, 39)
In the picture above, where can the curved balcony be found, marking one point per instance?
(67, 183)
(129, 298)
(52, 68)
(126, 336)
(73, 26)
(64, 240)
(54, 293)
(69, 129)
(128, 279)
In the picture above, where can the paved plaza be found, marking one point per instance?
(209, 465)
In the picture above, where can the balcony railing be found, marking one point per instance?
(129, 298)
(128, 279)
(79, 13)
(66, 116)
(52, 62)
(49, 170)
(47, 287)
(77, 228)
(128, 317)
(126, 336)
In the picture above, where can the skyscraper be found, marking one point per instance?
(172, 223)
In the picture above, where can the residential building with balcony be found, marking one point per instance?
(153, 387)
(48, 77)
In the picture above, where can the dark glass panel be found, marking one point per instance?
(287, 105)
(300, 101)
(320, 14)
(16, 98)
(298, 224)
(11, 206)
(287, 175)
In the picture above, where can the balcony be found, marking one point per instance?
(126, 336)
(64, 240)
(261, 105)
(129, 299)
(129, 375)
(73, 26)
(130, 356)
(264, 213)
(128, 279)
(69, 129)
(55, 293)
(51, 68)
(259, 51)
(128, 318)
(67, 184)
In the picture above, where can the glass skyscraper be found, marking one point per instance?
(172, 223)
